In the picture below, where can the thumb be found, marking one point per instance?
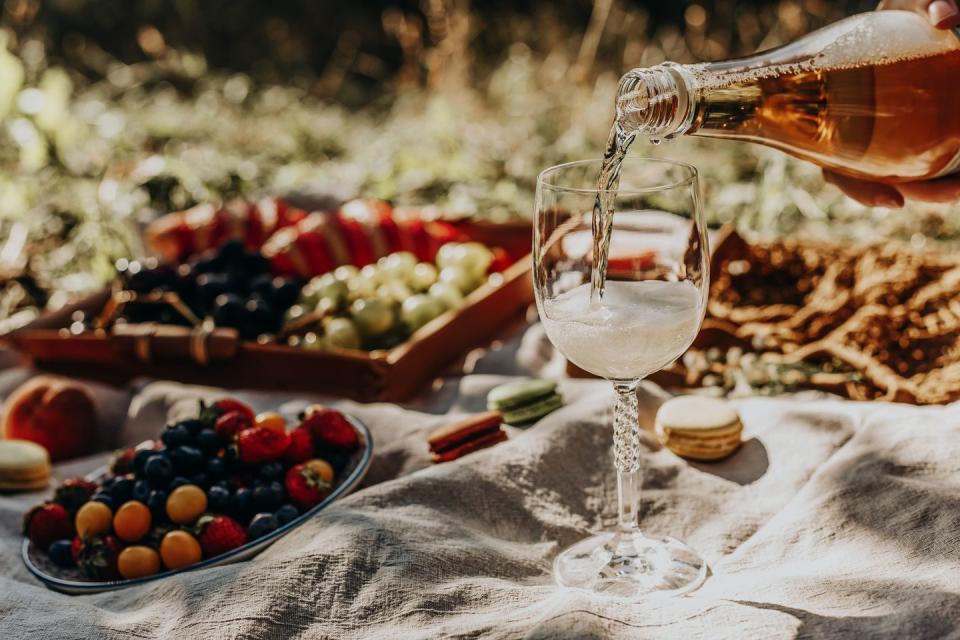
(942, 13)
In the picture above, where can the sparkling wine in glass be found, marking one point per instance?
(654, 296)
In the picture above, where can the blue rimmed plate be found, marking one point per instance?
(72, 581)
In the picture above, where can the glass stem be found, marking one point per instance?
(626, 449)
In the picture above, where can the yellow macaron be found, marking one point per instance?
(698, 427)
(24, 466)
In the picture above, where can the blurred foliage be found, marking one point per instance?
(112, 111)
(376, 42)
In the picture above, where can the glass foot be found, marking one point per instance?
(630, 566)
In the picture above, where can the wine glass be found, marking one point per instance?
(651, 308)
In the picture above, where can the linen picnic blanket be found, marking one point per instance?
(835, 519)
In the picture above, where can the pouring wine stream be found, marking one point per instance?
(607, 184)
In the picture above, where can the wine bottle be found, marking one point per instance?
(874, 96)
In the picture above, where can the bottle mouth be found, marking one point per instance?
(654, 102)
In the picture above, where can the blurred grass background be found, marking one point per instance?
(114, 111)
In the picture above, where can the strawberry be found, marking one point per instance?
(210, 413)
(227, 405)
(73, 492)
(75, 547)
(258, 444)
(219, 534)
(97, 557)
(301, 446)
(46, 523)
(122, 461)
(306, 485)
(501, 260)
(330, 429)
(231, 423)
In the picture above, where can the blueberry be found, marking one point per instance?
(216, 468)
(263, 319)
(218, 499)
(232, 252)
(200, 479)
(159, 469)
(229, 311)
(175, 436)
(185, 281)
(254, 263)
(262, 524)
(104, 498)
(187, 459)
(241, 504)
(122, 490)
(262, 286)
(285, 292)
(271, 471)
(180, 460)
(179, 481)
(209, 442)
(107, 484)
(263, 497)
(239, 281)
(141, 490)
(140, 459)
(286, 514)
(149, 275)
(193, 456)
(193, 425)
(211, 285)
(278, 494)
(60, 553)
(157, 502)
(164, 274)
(207, 263)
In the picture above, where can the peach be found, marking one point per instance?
(56, 413)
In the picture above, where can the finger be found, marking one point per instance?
(941, 190)
(872, 194)
(944, 13)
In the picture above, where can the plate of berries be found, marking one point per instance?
(214, 489)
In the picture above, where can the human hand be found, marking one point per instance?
(879, 194)
(943, 14)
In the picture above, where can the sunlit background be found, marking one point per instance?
(113, 111)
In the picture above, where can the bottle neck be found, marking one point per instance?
(658, 102)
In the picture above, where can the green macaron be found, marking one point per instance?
(525, 401)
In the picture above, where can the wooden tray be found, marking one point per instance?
(385, 375)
